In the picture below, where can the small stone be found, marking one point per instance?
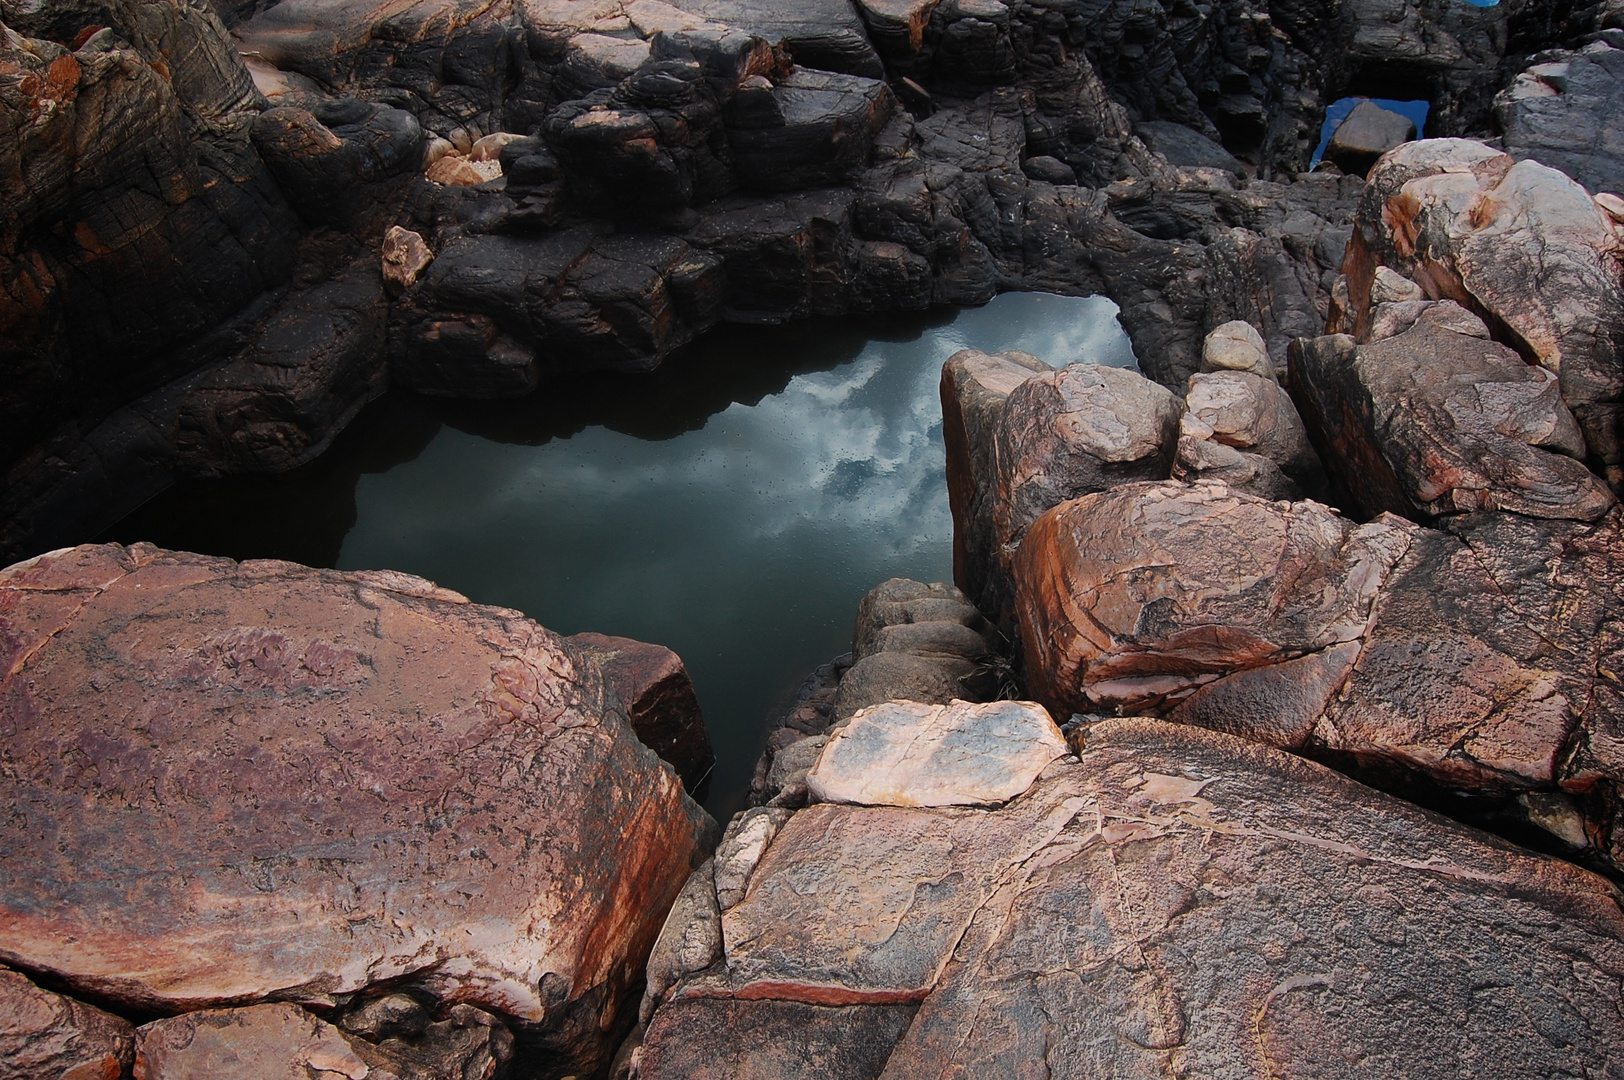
(904, 753)
(454, 170)
(1236, 346)
(435, 149)
(405, 255)
(1390, 286)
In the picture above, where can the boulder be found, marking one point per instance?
(824, 34)
(344, 163)
(405, 255)
(1517, 243)
(1567, 111)
(1186, 147)
(653, 687)
(45, 1035)
(1434, 422)
(275, 755)
(916, 642)
(1236, 346)
(975, 389)
(815, 130)
(904, 753)
(897, 27)
(1252, 413)
(1147, 907)
(1136, 597)
(1365, 134)
(1067, 433)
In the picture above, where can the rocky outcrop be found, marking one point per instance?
(1518, 244)
(325, 785)
(918, 642)
(888, 941)
(1564, 112)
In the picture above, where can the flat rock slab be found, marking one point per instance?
(225, 781)
(1176, 902)
(46, 1035)
(905, 753)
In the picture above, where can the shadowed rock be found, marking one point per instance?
(1365, 134)
(1567, 111)
(914, 642)
(207, 753)
(48, 1036)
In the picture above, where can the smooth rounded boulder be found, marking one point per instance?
(230, 782)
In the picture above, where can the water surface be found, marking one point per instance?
(734, 506)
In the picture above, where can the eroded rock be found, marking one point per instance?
(45, 1035)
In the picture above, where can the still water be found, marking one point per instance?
(734, 506)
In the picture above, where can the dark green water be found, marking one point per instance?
(734, 506)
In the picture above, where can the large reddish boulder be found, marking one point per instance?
(1516, 242)
(1172, 902)
(653, 686)
(45, 1036)
(231, 782)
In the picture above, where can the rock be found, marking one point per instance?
(903, 942)
(314, 361)
(274, 1042)
(908, 754)
(383, 730)
(819, 131)
(1048, 169)
(747, 837)
(47, 1035)
(1136, 597)
(455, 170)
(405, 255)
(824, 34)
(653, 686)
(1252, 413)
(783, 257)
(899, 676)
(897, 27)
(1067, 433)
(1565, 112)
(1186, 147)
(1388, 286)
(1515, 242)
(1365, 134)
(1435, 422)
(690, 941)
(899, 602)
(975, 389)
(491, 146)
(1236, 346)
(1201, 458)
(344, 164)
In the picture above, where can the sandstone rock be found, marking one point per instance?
(1201, 458)
(455, 170)
(491, 146)
(891, 676)
(1085, 428)
(387, 740)
(1252, 413)
(897, 27)
(959, 754)
(1515, 242)
(747, 837)
(47, 1035)
(975, 389)
(1435, 422)
(899, 603)
(1217, 931)
(405, 255)
(653, 687)
(1368, 132)
(1565, 112)
(1136, 597)
(275, 1042)
(1388, 286)
(1236, 346)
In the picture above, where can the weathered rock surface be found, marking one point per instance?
(1236, 346)
(975, 390)
(1254, 415)
(1433, 422)
(382, 782)
(1067, 433)
(1365, 134)
(916, 642)
(904, 753)
(1518, 244)
(1565, 112)
(47, 1035)
(653, 687)
(1173, 844)
(1135, 597)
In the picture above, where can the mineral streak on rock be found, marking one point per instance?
(232, 781)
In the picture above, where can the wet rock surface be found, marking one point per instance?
(386, 745)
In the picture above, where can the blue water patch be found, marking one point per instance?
(1338, 111)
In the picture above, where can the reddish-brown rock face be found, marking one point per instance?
(653, 687)
(226, 781)
(45, 1036)
(1173, 902)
